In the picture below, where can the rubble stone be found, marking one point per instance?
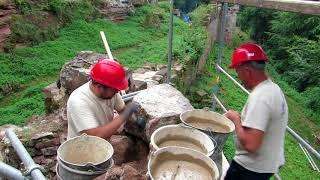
(161, 105)
(75, 73)
(121, 146)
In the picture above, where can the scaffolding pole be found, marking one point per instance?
(7, 171)
(170, 42)
(32, 168)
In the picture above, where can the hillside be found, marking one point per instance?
(136, 41)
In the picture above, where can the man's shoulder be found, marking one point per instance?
(267, 88)
(80, 93)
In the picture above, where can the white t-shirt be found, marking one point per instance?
(266, 110)
(85, 110)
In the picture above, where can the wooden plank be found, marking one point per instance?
(298, 6)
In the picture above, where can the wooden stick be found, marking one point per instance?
(106, 46)
(175, 173)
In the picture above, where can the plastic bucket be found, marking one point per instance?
(66, 173)
(182, 136)
(215, 125)
(86, 153)
(181, 163)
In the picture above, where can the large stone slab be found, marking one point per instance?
(160, 105)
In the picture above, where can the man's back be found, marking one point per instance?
(266, 110)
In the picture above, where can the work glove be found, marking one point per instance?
(130, 109)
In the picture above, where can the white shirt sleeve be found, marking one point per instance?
(119, 103)
(82, 116)
(257, 114)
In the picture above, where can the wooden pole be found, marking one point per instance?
(106, 45)
(298, 6)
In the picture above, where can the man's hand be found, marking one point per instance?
(234, 116)
(133, 107)
(130, 108)
(249, 138)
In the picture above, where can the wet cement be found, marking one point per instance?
(182, 141)
(169, 166)
(207, 124)
(84, 155)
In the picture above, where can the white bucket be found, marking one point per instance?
(215, 125)
(84, 154)
(179, 135)
(181, 163)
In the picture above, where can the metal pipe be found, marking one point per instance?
(219, 102)
(315, 165)
(131, 94)
(304, 143)
(7, 171)
(312, 161)
(295, 135)
(222, 29)
(36, 174)
(170, 43)
(305, 153)
(127, 99)
(235, 81)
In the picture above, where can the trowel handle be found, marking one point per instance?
(219, 102)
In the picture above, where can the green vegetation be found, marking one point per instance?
(40, 21)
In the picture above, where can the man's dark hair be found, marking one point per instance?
(257, 65)
(95, 83)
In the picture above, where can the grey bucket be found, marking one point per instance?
(84, 157)
(66, 173)
(219, 135)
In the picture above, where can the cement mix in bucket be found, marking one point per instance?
(85, 152)
(182, 141)
(207, 124)
(180, 167)
(79, 154)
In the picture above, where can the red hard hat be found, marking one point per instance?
(247, 52)
(109, 73)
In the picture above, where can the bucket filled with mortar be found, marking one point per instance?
(84, 157)
(181, 136)
(215, 125)
(180, 163)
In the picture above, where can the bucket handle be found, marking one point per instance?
(215, 144)
(99, 170)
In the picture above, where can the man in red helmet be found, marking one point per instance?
(261, 126)
(90, 108)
